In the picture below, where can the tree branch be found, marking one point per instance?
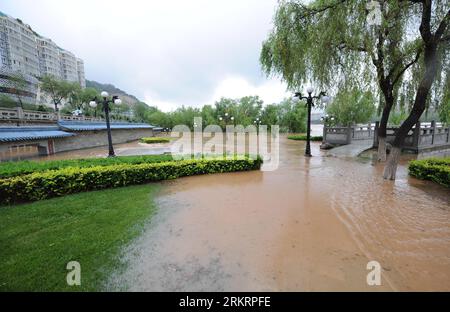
(442, 26)
(425, 24)
(314, 11)
(344, 45)
(400, 73)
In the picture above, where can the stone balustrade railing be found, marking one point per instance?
(421, 136)
(18, 114)
(345, 135)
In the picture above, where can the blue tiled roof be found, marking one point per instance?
(31, 133)
(91, 126)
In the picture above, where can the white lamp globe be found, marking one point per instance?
(232, 118)
(93, 104)
(309, 90)
(226, 114)
(104, 94)
(295, 99)
(117, 101)
(220, 118)
(325, 99)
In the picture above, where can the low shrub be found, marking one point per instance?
(155, 140)
(433, 169)
(302, 137)
(53, 183)
(12, 169)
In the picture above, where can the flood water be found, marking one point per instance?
(313, 224)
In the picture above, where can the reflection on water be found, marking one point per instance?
(313, 224)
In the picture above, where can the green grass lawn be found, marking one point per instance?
(37, 240)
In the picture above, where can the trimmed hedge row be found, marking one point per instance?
(43, 185)
(12, 169)
(155, 140)
(302, 137)
(433, 169)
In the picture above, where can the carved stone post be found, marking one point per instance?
(433, 131)
(416, 135)
(349, 134)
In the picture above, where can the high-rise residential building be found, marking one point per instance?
(21, 45)
(24, 52)
(68, 66)
(49, 57)
(80, 71)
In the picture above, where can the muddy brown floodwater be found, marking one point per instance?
(313, 224)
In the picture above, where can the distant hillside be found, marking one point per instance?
(111, 89)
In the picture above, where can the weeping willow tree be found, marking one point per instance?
(434, 32)
(334, 44)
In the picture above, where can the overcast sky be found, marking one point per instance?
(167, 53)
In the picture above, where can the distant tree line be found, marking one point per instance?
(245, 111)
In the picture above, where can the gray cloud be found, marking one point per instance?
(168, 53)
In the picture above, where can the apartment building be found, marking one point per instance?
(24, 52)
(20, 43)
(49, 57)
(80, 72)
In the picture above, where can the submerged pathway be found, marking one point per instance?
(351, 150)
(313, 224)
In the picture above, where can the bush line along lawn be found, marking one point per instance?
(37, 240)
(153, 140)
(302, 137)
(11, 169)
(54, 183)
(433, 169)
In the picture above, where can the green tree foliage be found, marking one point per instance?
(269, 115)
(19, 85)
(57, 90)
(290, 116)
(209, 115)
(397, 116)
(351, 107)
(443, 108)
(247, 110)
(6, 101)
(444, 112)
(139, 110)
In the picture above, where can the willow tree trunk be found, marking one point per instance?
(431, 69)
(389, 102)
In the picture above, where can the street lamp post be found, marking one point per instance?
(105, 102)
(226, 118)
(309, 102)
(257, 123)
(327, 119)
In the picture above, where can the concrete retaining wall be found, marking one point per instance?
(86, 139)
